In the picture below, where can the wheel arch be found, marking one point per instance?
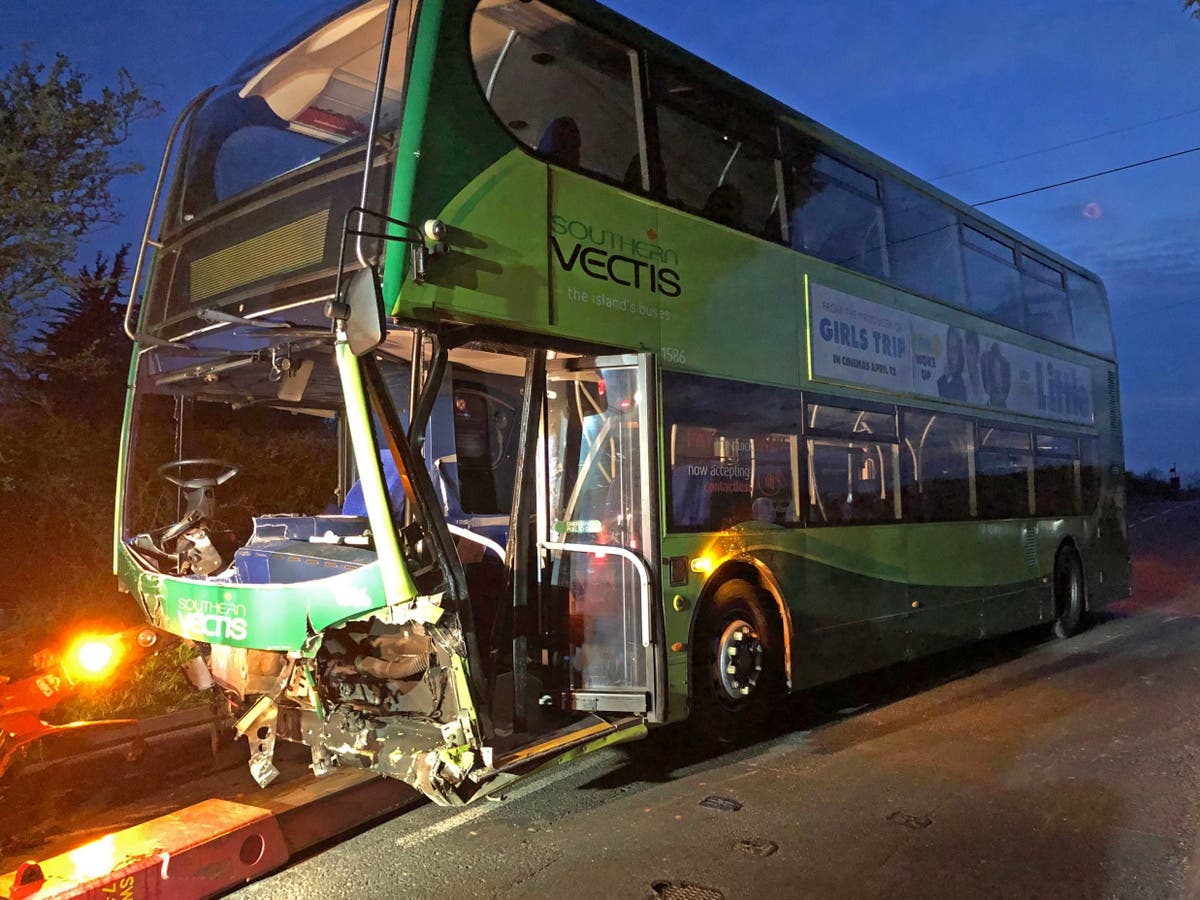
(756, 573)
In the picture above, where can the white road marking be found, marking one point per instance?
(1158, 515)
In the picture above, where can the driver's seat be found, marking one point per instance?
(355, 503)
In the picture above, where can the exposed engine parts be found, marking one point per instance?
(372, 695)
(384, 669)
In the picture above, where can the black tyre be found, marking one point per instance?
(737, 664)
(1069, 603)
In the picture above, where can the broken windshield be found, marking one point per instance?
(289, 107)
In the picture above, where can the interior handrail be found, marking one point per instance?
(486, 543)
(638, 563)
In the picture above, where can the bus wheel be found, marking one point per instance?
(737, 672)
(1068, 594)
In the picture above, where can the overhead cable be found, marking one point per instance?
(1058, 184)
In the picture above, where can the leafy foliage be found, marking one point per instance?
(57, 162)
(59, 435)
(85, 340)
(155, 686)
(1192, 6)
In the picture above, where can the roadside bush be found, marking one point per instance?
(155, 685)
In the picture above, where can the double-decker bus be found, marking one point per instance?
(508, 381)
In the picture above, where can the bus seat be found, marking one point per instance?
(725, 206)
(356, 505)
(763, 510)
(772, 229)
(561, 143)
(633, 174)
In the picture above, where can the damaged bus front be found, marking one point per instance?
(323, 498)
(267, 423)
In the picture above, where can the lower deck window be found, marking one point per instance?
(852, 482)
(733, 453)
(936, 466)
(1002, 483)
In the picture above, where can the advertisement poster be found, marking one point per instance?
(855, 341)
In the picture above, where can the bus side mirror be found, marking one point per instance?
(361, 308)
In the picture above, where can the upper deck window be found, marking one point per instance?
(716, 161)
(835, 211)
(923, 247)
(993, 284)
(563, 90)
(1089, 313)
(1045, 292)
(290, 107)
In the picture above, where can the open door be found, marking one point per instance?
(598, 540)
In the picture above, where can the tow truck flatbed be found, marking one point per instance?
(213, 846)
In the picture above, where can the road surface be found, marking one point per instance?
(1020, 768)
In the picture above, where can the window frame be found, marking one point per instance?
(1029, 451)
(793, 143)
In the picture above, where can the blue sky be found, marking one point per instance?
(937, 86)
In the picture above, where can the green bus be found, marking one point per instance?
(508, 381)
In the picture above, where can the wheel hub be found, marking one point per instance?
(739, 659)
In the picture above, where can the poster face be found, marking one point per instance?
(855, 341)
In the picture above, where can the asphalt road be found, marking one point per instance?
(1019, 768)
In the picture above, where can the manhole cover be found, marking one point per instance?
(683, 890)
(721, 804)
(910, 821)
(757, 846)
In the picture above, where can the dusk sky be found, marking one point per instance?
(937, 86)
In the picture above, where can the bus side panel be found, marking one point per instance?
(496, 265)
(847, 595)
(611, 275)
(1108, 575)
(738, 310)
(951, 583)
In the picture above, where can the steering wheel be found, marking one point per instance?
(199, 489)
(201, 481)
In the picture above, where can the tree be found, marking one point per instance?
(1192, 6)
(60, 427)
(57, 162)
(86, 341)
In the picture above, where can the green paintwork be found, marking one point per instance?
(259, 616)
(397, 583)
(492, 273)
(123, 458)
(422, 72)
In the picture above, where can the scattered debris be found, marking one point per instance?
(910, 821)
(721, 804)
(756, 846)
(683, 890)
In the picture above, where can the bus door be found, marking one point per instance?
(598, 533)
